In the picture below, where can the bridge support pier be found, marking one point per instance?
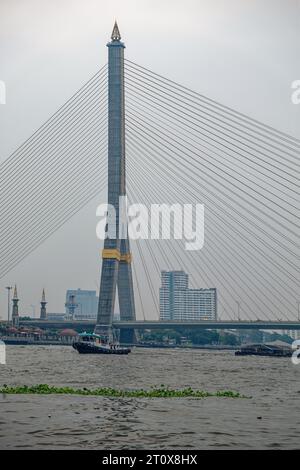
(128, 336)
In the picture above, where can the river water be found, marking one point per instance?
(270, 419)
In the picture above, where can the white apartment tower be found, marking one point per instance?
(178, 302)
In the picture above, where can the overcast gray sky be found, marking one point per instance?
(244, 54)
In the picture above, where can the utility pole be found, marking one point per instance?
(8, 302)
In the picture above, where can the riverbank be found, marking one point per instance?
(27, 342)
(13, 341)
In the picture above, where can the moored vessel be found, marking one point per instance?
(264, 350)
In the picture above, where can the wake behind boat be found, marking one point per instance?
(91, 343)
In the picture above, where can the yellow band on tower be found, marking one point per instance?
(127, 257)
(111, 253)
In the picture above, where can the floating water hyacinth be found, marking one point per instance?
(154, 392)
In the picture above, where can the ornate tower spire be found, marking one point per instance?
(15, 296)
(115, 35)
(15, 309)
(43, 312)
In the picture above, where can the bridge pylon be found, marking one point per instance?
(116, 256)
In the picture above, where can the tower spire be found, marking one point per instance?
(15, 293)
(15, 309)
(43, 311)
(115, 35)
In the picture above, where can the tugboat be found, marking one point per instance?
(91, 343)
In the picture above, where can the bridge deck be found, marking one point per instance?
(148, 324)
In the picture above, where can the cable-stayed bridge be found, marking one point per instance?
(181, 147)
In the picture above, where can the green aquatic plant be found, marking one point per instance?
(154, 392)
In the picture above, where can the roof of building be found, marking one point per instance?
(68, 332)
(12, 329)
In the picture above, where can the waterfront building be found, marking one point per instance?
(81, 304)
(178, 302)
(15, 309)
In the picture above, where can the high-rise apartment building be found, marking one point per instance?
(178, 302)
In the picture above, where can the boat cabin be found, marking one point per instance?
(93, 338)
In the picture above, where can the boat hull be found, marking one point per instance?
(263, 353)
(87, 348)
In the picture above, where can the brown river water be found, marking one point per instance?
(270, 419)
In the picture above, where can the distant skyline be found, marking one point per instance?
(242, 54)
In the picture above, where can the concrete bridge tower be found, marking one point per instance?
(116, 256)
